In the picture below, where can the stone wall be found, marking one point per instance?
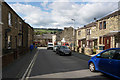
(17, 31)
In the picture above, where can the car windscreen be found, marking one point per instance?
(66, 44)
(64, 47)
(50, 44)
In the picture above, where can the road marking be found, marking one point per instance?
(28, 71)
(31, 66)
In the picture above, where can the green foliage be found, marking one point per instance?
(39, 31)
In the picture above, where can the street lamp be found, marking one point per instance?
(73, 33)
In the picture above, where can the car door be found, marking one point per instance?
(115, 63)
(57, 50)
(105, 61)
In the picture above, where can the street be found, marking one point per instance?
(43, 64)
(46, 64)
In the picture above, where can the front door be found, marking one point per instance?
(107, 42)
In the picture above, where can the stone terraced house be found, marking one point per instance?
(15, 34)
(102, 34)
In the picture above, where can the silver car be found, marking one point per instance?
(55, 47)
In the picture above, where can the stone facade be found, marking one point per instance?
(30, 35)
(103, 33)
(42, 40)
(68, 34)
(14, 33)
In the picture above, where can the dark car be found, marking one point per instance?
(107, 61)
(63, 50)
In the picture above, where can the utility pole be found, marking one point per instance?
(73, 34)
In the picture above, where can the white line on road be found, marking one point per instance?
(30, 66)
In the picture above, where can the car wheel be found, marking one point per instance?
(70, 54)
(92, 67)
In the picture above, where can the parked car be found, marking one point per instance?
(50, 45)
(55, 47)
(107, 61)
(66, 44)
(63, 50)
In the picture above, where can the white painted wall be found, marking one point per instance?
(53, 38)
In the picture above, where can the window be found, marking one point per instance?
(100, 40)
(79, 32)
(9, 42)
(16, 21)
(104, 24)
(117, 55)
(103, 40)
(100, 27)
(108, 54)
(20, 26)
(0, 13)
(20, 43)
(88, 31)
(9, 19)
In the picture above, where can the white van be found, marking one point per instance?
(50, 45)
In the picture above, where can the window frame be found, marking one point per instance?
(9, 42)
(16, 22)
(88, 31)
(104, 25)
(9, 18)
(100, 25)
(100, 40)
(79, 32)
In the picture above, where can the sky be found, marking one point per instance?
(59, 13)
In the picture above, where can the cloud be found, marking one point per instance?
(61, 13)
(62, 0)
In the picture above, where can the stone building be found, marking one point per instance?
(86, 38)
(99, 35)
(42, 40)
(28, 36)
(13, 34)
(109, 31)
(68, 35)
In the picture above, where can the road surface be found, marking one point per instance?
(47, 65)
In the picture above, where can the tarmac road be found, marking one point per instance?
(47, 65)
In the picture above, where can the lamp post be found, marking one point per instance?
(73, 34)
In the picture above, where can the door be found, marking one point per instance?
(115, 63)
(79, 43)
(107, 42)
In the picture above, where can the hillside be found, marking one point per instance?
(40, 31)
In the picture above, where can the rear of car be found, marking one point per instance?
(50, 46)
(64, 50)
(107, 61)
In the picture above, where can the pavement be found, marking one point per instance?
(16, 69)
(42, 64)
